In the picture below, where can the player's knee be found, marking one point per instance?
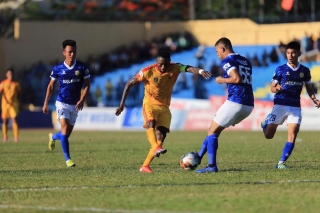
(162, 130)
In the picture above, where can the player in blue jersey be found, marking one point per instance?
(237, 73)
(73, 75)
(287, 84)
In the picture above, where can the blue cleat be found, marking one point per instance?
(208, 170)
(264, 123)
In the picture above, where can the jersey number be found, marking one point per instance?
(245, 74)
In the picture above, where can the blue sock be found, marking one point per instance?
(203, 149)
(287, 149)
(56, 136)
(212, 149)
(65, 146)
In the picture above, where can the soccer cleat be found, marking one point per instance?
(145, 169)
(208, 170)
(51, 143)
(159, 150)
(281, 166)
(16, 140)
(5, 139)
(264, 123)
(70, 163)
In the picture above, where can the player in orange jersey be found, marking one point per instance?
(159, 80)
(10, 90)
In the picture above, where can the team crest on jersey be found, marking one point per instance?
(155, 79)
(77, 72)
(301, 75)
(86, 71)
(287, 73)
(226, 66)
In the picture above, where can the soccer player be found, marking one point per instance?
(287, 84)
(11, 93)
(72, 75)
(237, 73)
(158, 80)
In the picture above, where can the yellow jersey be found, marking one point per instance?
(10, 93)
(158, 86)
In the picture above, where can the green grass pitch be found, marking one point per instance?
(107, 177)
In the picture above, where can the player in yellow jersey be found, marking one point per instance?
(10, 90)
(159, 80)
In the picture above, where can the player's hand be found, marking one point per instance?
(278, 88)
(219, 80)
(79, 105)
(45, 109)
(316, 102)
(206, 74)
(119, 110)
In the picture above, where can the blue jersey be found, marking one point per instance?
(291, 80)
(71, 80)
(241, 93)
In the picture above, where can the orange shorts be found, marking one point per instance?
(9, 112)
(161, 114)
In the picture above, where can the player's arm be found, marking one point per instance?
(275, 86)
(86, 89)
(195, 70)
(234, 78)
(48, 95)
(126, 90)
(312, 94)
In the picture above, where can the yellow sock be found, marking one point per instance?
(149, 158)
(152, 138)
(5, 130)
(15, 129)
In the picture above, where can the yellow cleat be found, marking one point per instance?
(70, 163)
(51, 143)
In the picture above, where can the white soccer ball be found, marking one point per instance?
(189, 161)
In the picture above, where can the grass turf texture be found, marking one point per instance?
(107, 177)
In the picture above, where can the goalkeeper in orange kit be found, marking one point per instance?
(159, 80)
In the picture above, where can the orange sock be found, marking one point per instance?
(149, 158)
(159, 143)
(5, 130)
(152, 138)
(15, 129)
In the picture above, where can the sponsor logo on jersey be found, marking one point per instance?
(63, 72)
(226, 66)
(155, 79)
(294, 83)
(301, 74)
(77, 72)
(71, 81)
(287, 73)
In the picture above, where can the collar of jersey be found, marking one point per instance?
(71, 65)
(294, 69)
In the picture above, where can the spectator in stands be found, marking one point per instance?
(201, 60)
(98, 95)
(109, 92)
(255, 61)
(182, 42)
(215, 70)
(304, 43)
(119, 89)
(274, 57)
(318, 47)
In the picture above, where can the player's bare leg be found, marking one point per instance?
(15, 129)
(5, 129)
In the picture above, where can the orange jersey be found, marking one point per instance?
(10, 92)
(158, 86)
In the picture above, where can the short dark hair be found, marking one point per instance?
(164, 54)
(225, 41)
(69, 42)
(10, 69)
(293, 45)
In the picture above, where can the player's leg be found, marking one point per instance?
(277, 116)
(293, 123)
(15, 127)
(5, 121)
(149, 124)
(162, 128)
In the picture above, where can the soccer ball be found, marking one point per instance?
(189, 161)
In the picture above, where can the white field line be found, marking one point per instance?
(91, 209)
(3, 190)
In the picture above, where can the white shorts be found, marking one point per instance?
(66, 111)
(231, 113)
(281, 113)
